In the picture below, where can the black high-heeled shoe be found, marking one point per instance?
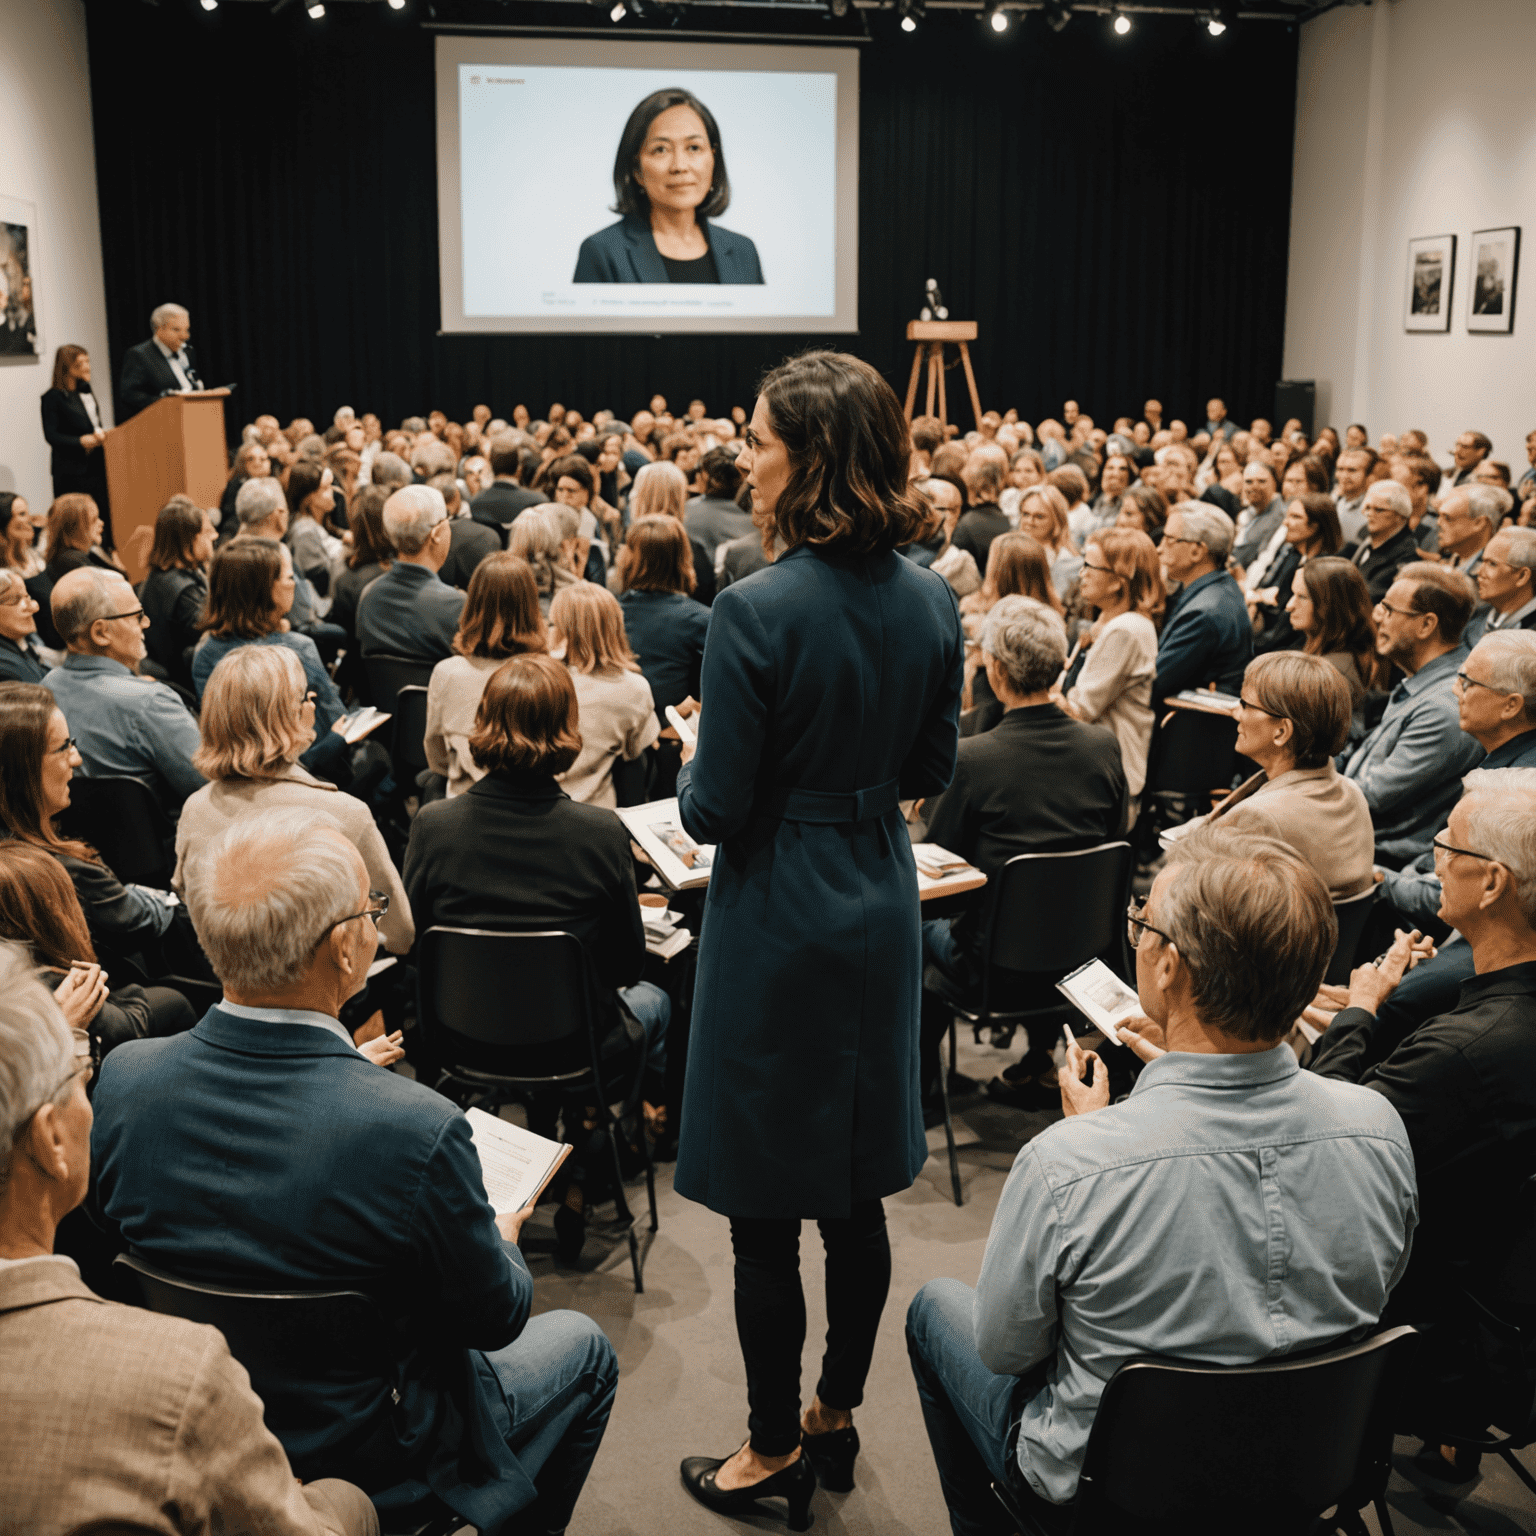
(795, 1483)
(832, 1455)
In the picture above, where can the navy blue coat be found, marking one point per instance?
(626, 253)
(831, 689)
(268, 1155)
(1207, 638)
(666, 631)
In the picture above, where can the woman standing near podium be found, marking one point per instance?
(830, 690)
(75, 429)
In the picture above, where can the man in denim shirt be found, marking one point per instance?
(1411, 766)
(1232, 1209)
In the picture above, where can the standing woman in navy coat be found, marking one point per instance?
(830, 690)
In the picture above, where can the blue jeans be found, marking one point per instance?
(652, 1009)
(971, 1414)
(559, 1376)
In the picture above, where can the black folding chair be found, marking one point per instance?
(385, 676)
(1353, 913)
(121, 819)
(1265, 1449)
(1047, 914)
(282, 1335)
(496, 1010)
(408, 756)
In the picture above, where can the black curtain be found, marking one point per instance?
(1113, 212)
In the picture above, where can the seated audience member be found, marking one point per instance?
(1310, 529)
(409, 611)
(1017, 566)
(1207, 636)
(1263, 512)
(938, 551)
(1464, 1082)
(250, 587)
(312, 507)
(1352, 477)
(741, 557)
(501, 619)
(22, 659)
(251, 463)
(20, 531)
(517, 854)
(618, 714)
(258, 717)
(262, 508)
(1388, 543)
(1103, 1245)
(126, 724)
(1468, 451)
(927, 439)
(535, 538)
(600, 527)
(139, 1421)
(390, 472)
(1025, 469)
(660, 490)
(1073, 485)
(1330, 608)
(39, 908)
(1043, 516)
(370, 555)
(1112, 686)
(1144, 509)
(73, 536)
(469, 542)
(496, 1412)
(39, 758)
(1469, 517)
(1037, 782)
(175, 592)
(1293, 718)
(1506, 581)
(1411, 766)
(1419, 475)
(665, 626)
(712, 518)
(984, 473)
(1114, 481)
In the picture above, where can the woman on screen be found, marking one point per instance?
(669, 181)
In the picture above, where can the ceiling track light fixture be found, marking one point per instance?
(911, 12)
(210, 5)
(1057, 14)
(397, 5)
(314, 10)
(997, 18)
(1122, 23)
(1216, 23)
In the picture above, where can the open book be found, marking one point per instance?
(515, 1163)
(680, 861)
(365, 720)
(1101, 997)
(1207, 699)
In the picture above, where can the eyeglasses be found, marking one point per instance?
(1403, 613)
(1259, 709)
(1169, 539)
(64, 750)
(1136, 924)
(1446, 848)
(82, 1054)
(1464, 682)
(376, 913)
(138, 613)
(20, 600)
(1103, 570)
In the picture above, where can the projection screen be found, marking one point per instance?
(751, 227)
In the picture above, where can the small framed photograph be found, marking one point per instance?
(18, 265)
(1431, 276)
(1495, 266)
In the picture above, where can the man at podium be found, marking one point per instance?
(163, 365)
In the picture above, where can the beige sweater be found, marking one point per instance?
(207, 813)
(618, 719)
(453, 696)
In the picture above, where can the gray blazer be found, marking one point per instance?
(626, 253)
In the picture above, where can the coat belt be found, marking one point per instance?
(815, 805)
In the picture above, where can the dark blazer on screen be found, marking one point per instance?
(65, 422)
(626, 253)
(146, 376)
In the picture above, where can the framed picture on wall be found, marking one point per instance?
(1495, 265)
(18, 298)
(1431, 277)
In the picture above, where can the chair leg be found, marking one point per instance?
(1384, 1516)
(1519, 1471)
(949, 1124)
(650, 1178)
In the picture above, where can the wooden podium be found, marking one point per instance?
(173, 447)
(930, 336)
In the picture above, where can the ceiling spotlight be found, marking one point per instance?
(210, 5)
(911, 13)
(1057, 14)
(1122, 23)
(997, 17)
(1216, 23)
(618, 13)
(397, 5)
(315, 10)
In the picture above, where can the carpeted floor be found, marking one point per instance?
(682, 1390)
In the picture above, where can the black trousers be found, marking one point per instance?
(770, 1316)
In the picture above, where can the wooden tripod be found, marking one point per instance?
(930, 336)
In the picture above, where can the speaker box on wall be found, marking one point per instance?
(1298, 398)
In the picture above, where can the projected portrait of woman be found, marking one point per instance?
(669, 183)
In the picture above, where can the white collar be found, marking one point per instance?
(289, 1016)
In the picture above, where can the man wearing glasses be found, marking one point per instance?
(1410, 767)
(124, 724)
(1208, 636)
(1388, 542)
(1465, 1082)
(1506, 581)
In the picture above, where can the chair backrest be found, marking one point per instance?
(121, 819)
(1353, 912)
(1261, 1448)
(387, 675)
(504, 1003)
(1193, 753)
(1053, 912)
(408, 756)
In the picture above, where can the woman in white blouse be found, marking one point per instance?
(1113, 686)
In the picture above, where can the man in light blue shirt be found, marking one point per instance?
(1232, 1209)
(122, 724)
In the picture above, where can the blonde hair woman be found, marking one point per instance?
(1043, 515)
(258, 717)
(618, 713)
(660, 490)
(536, 538)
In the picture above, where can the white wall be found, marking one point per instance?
(48, 158)
(1413, 117)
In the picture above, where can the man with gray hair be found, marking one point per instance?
(1388, 543)
(409, 610)
(1038, 781)
(1506, 582)
(347, 1178)
(1232, 1209)
(984, 474)
(391, 472)
(163, 365)
(1207, 636)
(1470, 516)
(114, 1416)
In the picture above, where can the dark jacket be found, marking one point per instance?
(712, 521)
(743, 556)
(1465, 1085)
(387, 1198)
(65, 422)
(833, 688)
(1258, 533)
(977, 528)
(349, 587)
(174, 601)
(147, 375)
(471, 542)
(499, 503)
(63, 561)
(1380, 566)
(408, 611)
(22, 663)
(626, 253)
(666, 632)
(1207, 638)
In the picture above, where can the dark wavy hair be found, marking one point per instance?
(240, 582)
(629, 198)
(849, 450)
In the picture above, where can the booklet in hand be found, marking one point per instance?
(515, 1163)
(1101, 997)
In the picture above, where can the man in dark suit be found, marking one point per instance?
(1037, 782)
(1207, 636)
(1388, 543)
(163, 365)
(410, 610)
(469, 542)
(263, 1150)
(499, 503)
